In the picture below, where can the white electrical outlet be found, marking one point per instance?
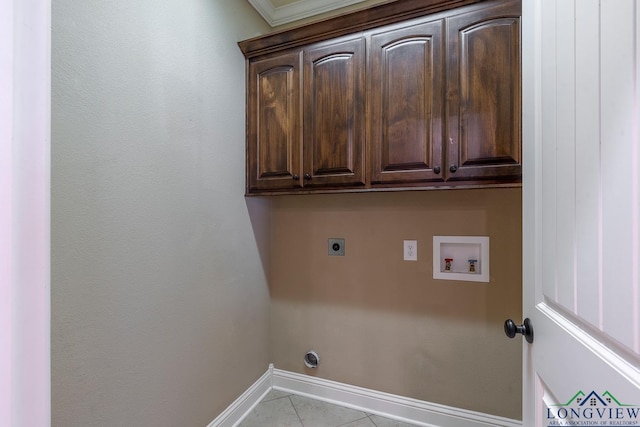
(410, 250)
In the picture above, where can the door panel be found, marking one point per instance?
(581, 214)
(619, 174)
(274, 110)
(487, 92)
(587, 111)
(406, 98)
(334, 114)
(600, 197)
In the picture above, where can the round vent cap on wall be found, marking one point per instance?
(311, 359)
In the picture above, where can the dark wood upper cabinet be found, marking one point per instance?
(484, 93)
(274, 114)
(406, 94)
(410, 94)
(334, 114)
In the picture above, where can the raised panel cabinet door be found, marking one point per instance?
(274, 108)
(406, 104)
(334, 114)
(484, 94)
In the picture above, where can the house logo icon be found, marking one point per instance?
(593, 409)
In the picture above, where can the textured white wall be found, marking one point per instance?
(159, 295)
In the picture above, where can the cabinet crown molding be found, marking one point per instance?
(278, 15)
(386, 13)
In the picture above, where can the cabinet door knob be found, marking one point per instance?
(436, 170)
(453, 168)
(296, 177)
(307, 177)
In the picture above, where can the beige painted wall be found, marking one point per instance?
(383, 323)
(159, 296)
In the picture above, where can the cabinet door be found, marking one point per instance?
(274, 138)
(334, 114)
(406, 104)
(484, 125)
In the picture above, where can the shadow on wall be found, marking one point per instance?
(259, 209)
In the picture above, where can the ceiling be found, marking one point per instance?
(278, 12)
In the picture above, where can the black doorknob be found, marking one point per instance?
(307, 177)
(436, 170)
(296, 177)
(453, 168)
(511, 329)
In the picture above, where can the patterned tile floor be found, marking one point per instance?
(280, 409)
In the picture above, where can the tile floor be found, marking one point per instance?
(281, 409)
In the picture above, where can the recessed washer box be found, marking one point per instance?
(463, 258)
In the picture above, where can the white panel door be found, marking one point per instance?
(25, 117)
(581, 212)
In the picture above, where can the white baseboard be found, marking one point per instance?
(384, 404)
(244, 404)
(387, 405)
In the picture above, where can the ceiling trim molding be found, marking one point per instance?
(295, 11)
